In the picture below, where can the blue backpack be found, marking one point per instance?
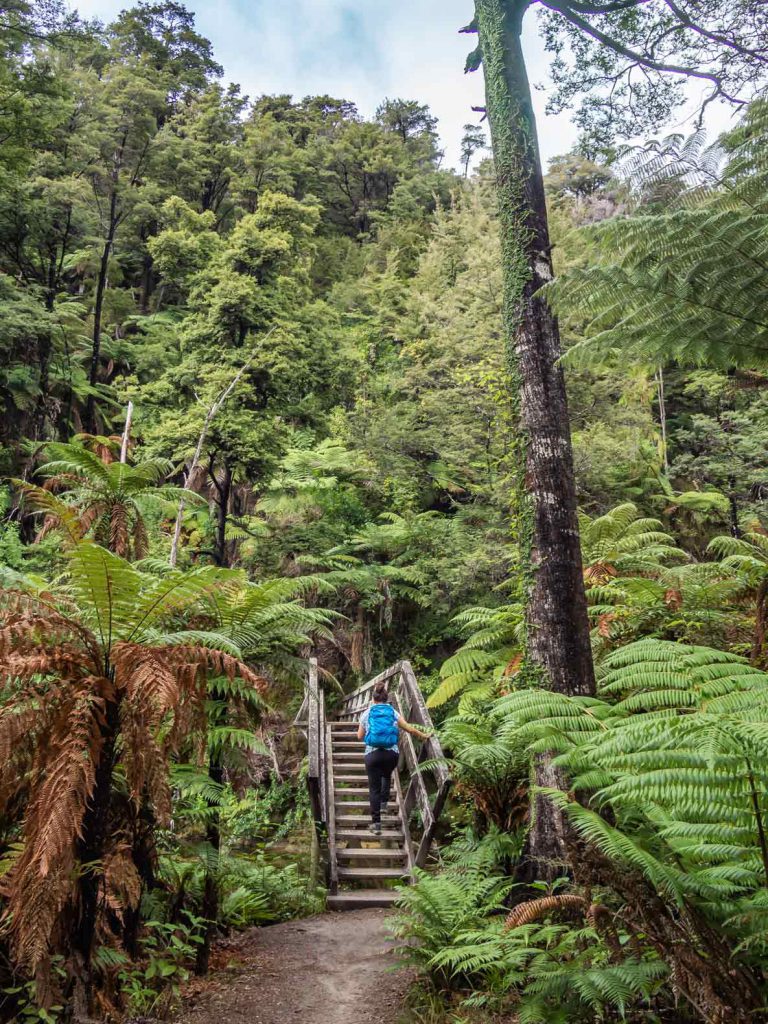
(382, 726)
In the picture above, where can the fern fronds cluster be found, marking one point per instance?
(688, 284)
(622, 542)
(490, 774)
(670, 768)
(85, 496)
(453, 929)
(667, 807)
(490, 655)
(640, 583)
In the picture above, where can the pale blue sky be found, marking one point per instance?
(361, 50)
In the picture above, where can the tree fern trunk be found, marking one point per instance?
(210, 907)
(557, 645)
(144, 854)
(757, 655)
(91, 849)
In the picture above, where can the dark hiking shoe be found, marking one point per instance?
(375, 828)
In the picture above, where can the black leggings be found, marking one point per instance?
(379, 764)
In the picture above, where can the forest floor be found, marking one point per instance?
(336, 968)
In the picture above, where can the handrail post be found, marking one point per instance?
(316, 740)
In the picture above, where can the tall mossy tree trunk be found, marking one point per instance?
(557, 627)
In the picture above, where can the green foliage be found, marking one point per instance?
(356, 495)
(544, 971)
(438, 907)
(154, 986)
(266, 817)
(623, 543)
(667, 777)
(674, 746)
(108, 500)
(664, 285)
(563, 973)
(490, 775)
(253, 891)
(491, 654)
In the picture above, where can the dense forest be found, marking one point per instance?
(277, 383)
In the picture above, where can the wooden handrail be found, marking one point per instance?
(380, 678)
(333, 867)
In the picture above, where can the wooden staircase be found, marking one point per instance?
(361, 857)
(362, 869)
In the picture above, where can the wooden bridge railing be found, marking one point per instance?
(406, 696)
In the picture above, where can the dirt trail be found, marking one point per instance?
(330, 969)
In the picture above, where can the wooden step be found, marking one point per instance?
(348, 778)
(351, 791)
(345, 834)
(344, 726)
(373, 854)
(361, 899)
(362, 821)
(358, 874)
(352, 805)
(344, 744)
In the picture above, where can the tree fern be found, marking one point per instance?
(86, 496)
(490, 773)
(745, 560)
(432, 911)
(687, 284)
(490, 654)
(91, 676)
(623, 543)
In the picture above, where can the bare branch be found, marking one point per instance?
(714, 37)
(568, 11)
(606, 8)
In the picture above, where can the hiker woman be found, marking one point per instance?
(379, 727)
